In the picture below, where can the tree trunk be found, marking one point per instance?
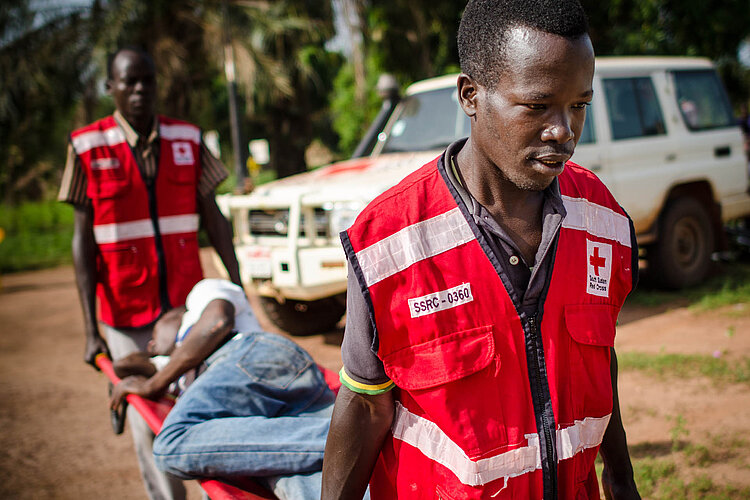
(290, 136)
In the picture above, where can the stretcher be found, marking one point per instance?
(154, 413)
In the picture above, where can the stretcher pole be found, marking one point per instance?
(154, 413)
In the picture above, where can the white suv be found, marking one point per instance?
(660, 133)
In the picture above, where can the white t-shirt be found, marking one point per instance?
(200, 296)
(208, 290)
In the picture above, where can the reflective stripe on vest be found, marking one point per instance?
(114, 135)
(144, 228)
(603, 222)
(449, 230)
(414, 243)
(95, 139)
(429, 439)
(180, 133)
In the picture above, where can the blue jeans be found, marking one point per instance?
(262, 408)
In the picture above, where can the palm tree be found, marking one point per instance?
(278, 51)
(39, 88)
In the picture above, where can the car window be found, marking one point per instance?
(633, 108)
(702, 100)
(587, 135)
(428, 120)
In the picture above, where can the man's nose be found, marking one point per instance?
(140, 86)
(558, 130)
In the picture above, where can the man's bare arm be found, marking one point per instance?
(135, 363)
(220, 235)
(84, 261)
(617, 477)
(359, 425)
(215, 323)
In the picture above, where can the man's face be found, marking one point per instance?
(133, 87)
(527, 126)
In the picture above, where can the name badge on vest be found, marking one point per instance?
(183, 153)
(439, 301)
(599, 263)
(105, 164)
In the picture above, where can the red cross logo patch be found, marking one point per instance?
(183, 153)
(599, 263)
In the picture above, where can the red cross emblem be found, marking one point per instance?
(597, 261)
(183, 154)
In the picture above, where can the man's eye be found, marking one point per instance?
(536, 107)
(581, 105)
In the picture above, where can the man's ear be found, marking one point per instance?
(108, 86)
(467, 94)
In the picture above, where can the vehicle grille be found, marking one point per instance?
(276, 222)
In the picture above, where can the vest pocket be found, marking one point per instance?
(123, 264)
(110, 183)
(181, 174)
(442, 360)
(591, 324)
(586, 382)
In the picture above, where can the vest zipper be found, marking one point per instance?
(549, 467)
(161, 260)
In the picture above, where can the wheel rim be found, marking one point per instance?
(689, 244)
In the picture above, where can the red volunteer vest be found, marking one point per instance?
(490, 404)
(146, 237)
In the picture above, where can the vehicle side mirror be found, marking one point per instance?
(387, 88)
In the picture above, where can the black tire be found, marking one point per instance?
(298, 317)
(682, 255)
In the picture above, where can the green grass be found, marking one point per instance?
(36, 235)
(686, 365)
(657, 480)
(730, 285)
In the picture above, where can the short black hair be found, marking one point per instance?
(483, 32)
(138, 49)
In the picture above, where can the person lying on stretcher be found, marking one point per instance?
(258, 406)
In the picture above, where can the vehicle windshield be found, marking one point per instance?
(426, 121)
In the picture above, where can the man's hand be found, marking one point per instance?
(138, 385)
(94, 345)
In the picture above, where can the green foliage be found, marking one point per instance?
(295, 90)
(677, 432)
(411, 40)
(684, 366)
(668, 27)
(730, 285)
(414, 39)
(39, 88)
(657, 479)
(351, 119)
(36, 235)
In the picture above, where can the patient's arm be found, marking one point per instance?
(136, 363)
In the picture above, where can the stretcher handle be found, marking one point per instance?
(153, 412)
(117, 417)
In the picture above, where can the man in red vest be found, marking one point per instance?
(140, 184)
(484, 289)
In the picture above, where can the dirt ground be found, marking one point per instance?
(56, 441)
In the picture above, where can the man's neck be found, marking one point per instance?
(142, 128)
(489, 186)
(518, 211)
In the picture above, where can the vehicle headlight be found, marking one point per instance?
(342, 214)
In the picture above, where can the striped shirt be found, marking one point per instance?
(146, 151)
